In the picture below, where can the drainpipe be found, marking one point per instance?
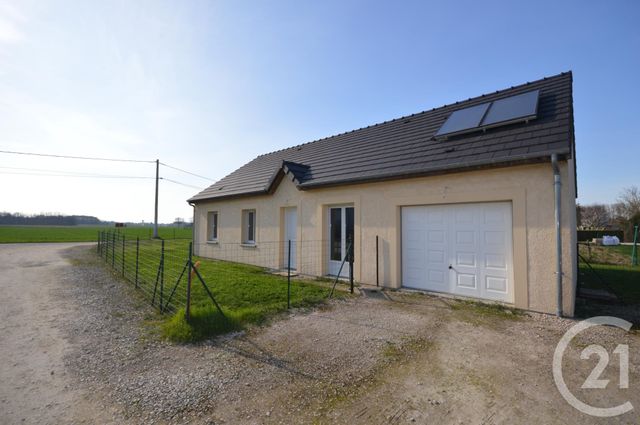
(193, 223)
(556, 189)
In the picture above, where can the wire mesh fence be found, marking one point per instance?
(154, 267)
(175, 274)
(318, 259)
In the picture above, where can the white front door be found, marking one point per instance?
(463, 249)
(290, 234)
(341, 237)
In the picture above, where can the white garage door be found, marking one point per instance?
(463, 249)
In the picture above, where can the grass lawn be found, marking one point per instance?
(15, 234)
(615, 255)
(624, 280)
(613, 265)
(247, 294)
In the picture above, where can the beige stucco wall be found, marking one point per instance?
(377, 212)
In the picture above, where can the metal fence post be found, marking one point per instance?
(187, 307)
(377, 264)
(634, 251)
(289, 276)
(162, 276)
(98, 248)
(137, 257)
(113, 251)
(350, 255)
(123, 244)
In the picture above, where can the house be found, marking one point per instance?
(462, 199)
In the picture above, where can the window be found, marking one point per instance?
(212, 226)
(249, 226)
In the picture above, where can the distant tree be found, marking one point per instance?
(579, 215)
(594, 216)
(629, 202)
(626, 212)
(46, 219)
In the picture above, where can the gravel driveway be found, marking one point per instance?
(80, 346)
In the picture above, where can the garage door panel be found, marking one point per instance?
(465, 237)
(437, 256)
(495, 261)
(414, 256)
(466, 259)
(496, 284)
(475, 239)
(436, 236)
(435, 216)
(494, 215)
(464, 216)
(495, 239)
(438, 280)
(466, 281)
(415, 238)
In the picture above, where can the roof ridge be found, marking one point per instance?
(404, 117)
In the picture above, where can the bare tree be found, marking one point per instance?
(594, 216)
(626, 212)
(629, 202)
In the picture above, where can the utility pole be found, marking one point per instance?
(155, 220)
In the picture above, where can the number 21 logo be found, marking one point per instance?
(593, 381)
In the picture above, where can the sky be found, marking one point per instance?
(206, 86)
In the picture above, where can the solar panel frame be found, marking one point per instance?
(515, 108)
(464, 120)
(511, 109)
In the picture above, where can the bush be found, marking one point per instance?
(205, 322)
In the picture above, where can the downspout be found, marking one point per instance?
(557, 184)
(193, 223)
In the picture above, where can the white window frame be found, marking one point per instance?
(246, 225)
(213, 226)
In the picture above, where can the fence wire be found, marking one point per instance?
(157, 268)
(161, 270)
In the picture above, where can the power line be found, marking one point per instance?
(85, 174)
(58, 173)
(93, 176)
(92, 158)
(75, 157)
(182, 184)
(185, 171)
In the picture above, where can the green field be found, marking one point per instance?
(246, 293)
(614, 255)
(624, 280)
(19, 234)
(610, 267)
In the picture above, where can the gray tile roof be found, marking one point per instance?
(406, 147)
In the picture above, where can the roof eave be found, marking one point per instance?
(469, 166)
(228, 196)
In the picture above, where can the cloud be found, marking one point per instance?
(11, 18)
(9, 32)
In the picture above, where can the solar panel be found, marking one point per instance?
(512, 108)
(463, 119)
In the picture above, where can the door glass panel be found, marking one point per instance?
(349, 227)
(336, 234)
(251, 226)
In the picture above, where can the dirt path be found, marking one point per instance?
(35, 386)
